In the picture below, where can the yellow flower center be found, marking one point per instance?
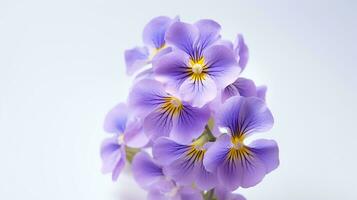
(197, 69)
(172, 105)
(238, 141)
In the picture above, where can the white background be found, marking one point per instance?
(62, 69)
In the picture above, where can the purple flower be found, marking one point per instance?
(184, 163)
(236, 163)
(197, 67)
(165, 114)
(155, 45)
(150, 176)
(126, 131)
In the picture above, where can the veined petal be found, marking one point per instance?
(241, 51)
(244, 115)
(267, 151)
(208, 33)
(183, 36)
(158, 124)
(146, 172)
(190, 123)
(167, 151)
(221, 65)
(198, 92)
(184, 163)
(241, 168)
(135, 59)
(116, 119)
(172, 68)
(217, 152)
(242, 86)
(184, 169)
(229, 91)
(145, 96)
(154, 31)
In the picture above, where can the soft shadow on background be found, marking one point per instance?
(62, 69)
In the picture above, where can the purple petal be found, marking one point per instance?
(228, 92)
(135, 59)
(246, 87)
(217, 152)
(244, 115)
(119, 167)
(154, 31)
(183, 164)
(156, 195)
(205, 180)
(222, 66)
(224, 194)
(242, 86)
(225, 43)
(208, 32)
(145, 96)
(134, 134)
(242, 171)
(261, 92)
(167, 151)
(158, 124)
(110, 153)
(116, 119)
(146, 172)
(267, 151)
(182, 170)
(113, 157)
(188, 193)
(146, 74)
(198, 92)
(190, 123)
(172, 68)
(160, 52)
(241, 51)
(183, 36)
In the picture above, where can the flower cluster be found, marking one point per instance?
(184, 126)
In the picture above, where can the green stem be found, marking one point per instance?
(130, 153)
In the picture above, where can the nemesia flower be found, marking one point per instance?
(125, 132)
(236, 163)
(197, 67)
(150, 176)
(155, 45)
(165, 114)
(184, 163)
